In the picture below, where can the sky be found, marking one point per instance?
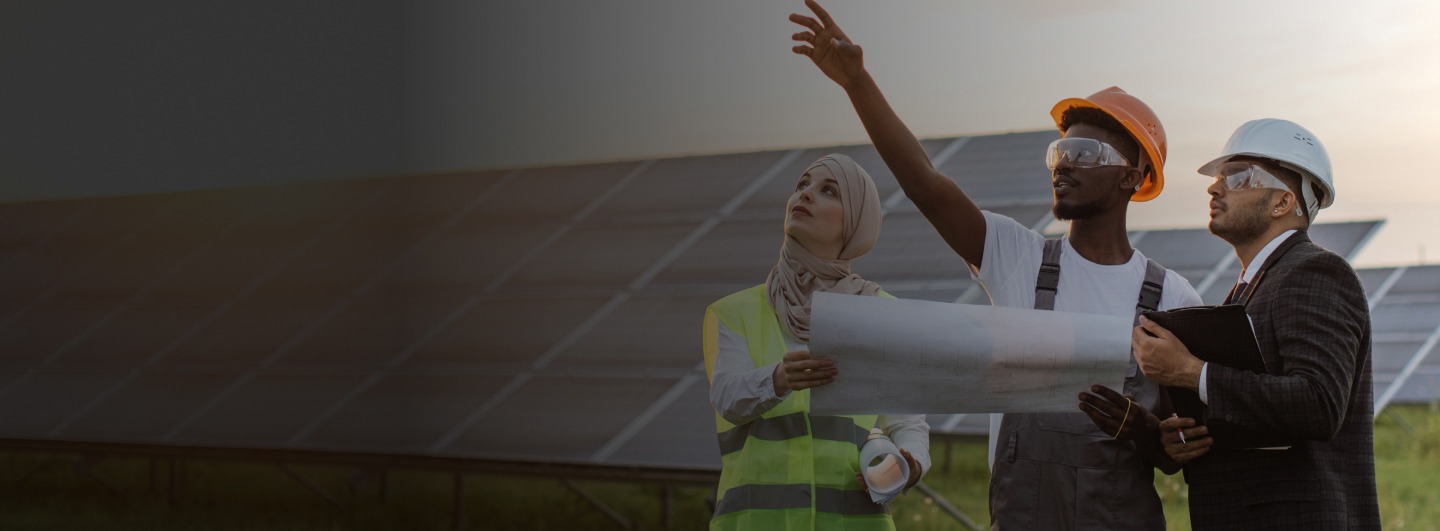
(604, 81)
(105, 98)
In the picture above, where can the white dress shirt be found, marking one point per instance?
(1246, 276)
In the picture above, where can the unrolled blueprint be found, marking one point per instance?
(908, 356)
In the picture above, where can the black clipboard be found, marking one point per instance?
(1222, 335)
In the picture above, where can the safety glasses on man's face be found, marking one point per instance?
(1241, 175)
(1082, 153)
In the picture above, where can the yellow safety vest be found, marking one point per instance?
(786, 469)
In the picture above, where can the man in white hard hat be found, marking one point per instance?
(1092, 468)
(1312, 322)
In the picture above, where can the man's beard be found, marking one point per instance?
(1247, 222)
(1073, 212)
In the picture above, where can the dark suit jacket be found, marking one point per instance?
(1313, 324)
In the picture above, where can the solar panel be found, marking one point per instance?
(547, 195)
(1008, 168)
(1373, 279)
(909, 249)
(770, 199)
(433, 315)
(239, 336)
(27, 223)
(33, 334)
(595, 256)
(425, 202)
(143, 409)
(681, 436)
(130, 335)
(1403, 318)
(687, 185)
(644, 332)
(125, 272)
(363, 334)
(335, 266)
(506, 331)
(735, 253)
(1343, 239)
(565, 418)
(1191, 252)
(418, 408)
(1418, 280)
(222, 269)
(263, 411)
(37, 401)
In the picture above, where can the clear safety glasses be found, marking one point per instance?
(1082, 153)
(1241, 175)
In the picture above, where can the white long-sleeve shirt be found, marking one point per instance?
(740, 392)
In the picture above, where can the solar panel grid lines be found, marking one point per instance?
(729, 206)
(55, 228)
(560, 232)
(107, 249)
(898, 196)
(1385, 286)
(143, 291)
(645, 417)
(138, 296)
(1415, 360)
(375, 196)
(1216, 273)
(1369, 234)
(335, 225)
(81, 270)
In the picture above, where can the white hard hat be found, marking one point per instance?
(1291, 146)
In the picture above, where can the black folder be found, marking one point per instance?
(1221, 335)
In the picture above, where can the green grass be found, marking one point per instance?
(48, 491)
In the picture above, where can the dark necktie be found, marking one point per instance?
(1238, 292)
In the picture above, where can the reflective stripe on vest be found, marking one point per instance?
(846, 502)
(787, 469)
(789, 426)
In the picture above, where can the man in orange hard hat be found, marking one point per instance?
(1090, 469)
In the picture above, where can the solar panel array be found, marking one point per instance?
(537, 315)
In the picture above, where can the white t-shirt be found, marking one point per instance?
(1012, 260)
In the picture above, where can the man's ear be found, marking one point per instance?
(1284, 203)
(1133, 178)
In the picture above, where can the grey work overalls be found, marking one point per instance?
(1058, 470)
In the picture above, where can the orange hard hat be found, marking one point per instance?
(1142, 124)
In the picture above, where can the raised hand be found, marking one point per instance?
(826, 45)
(799, 371)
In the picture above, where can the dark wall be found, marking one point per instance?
(103, 98)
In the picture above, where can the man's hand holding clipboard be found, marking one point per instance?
(1172, 347)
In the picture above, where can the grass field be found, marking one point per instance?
(62, 491)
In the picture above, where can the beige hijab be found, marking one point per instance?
(799, 273)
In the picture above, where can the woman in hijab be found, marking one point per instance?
(782, 467)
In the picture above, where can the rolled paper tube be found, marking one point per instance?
(886, 476)
(885, 470)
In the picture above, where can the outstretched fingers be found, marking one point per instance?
(820, 12)
(808, 22)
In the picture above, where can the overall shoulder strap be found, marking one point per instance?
(1047, 283)
(1151, 289)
